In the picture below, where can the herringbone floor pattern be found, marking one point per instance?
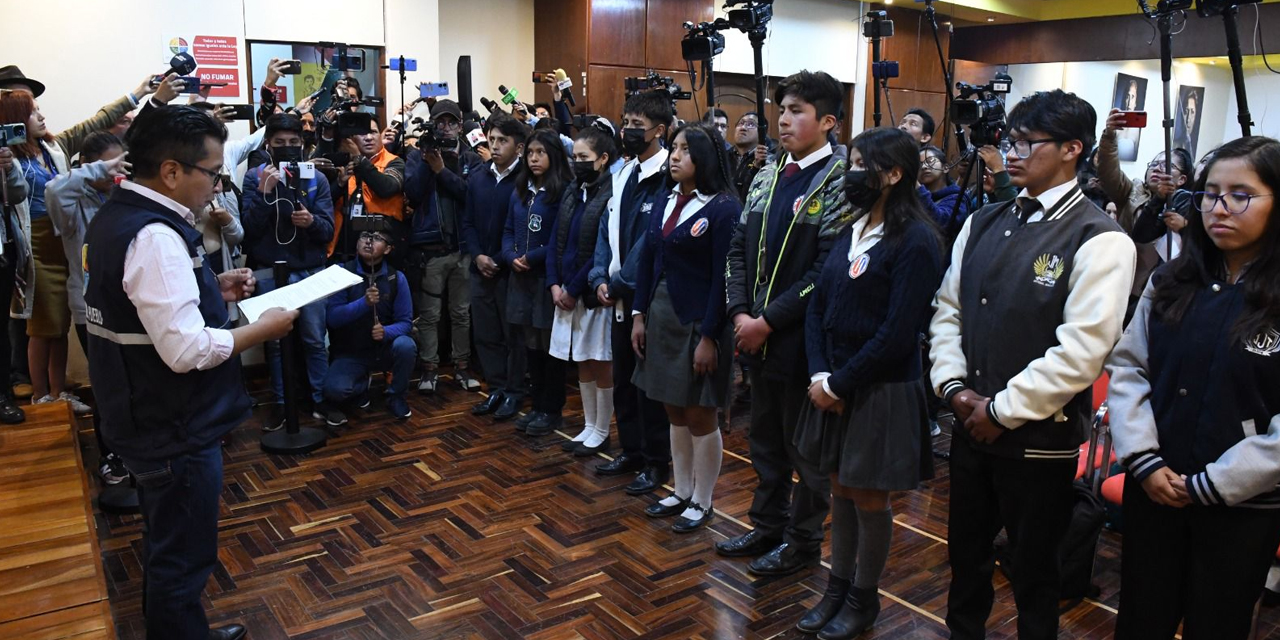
(452, 526)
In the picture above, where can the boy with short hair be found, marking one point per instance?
(919, 124)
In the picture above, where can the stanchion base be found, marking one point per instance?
(306, 440)
(120, 499)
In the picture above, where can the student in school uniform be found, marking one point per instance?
(543, 181)
(867, 423)
(1032, 304)
(681, 336)
(938, 194)
(582, 329)
(1196, 415)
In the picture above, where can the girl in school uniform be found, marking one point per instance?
(581, 330)
(541, 184)
(867, 422)
(1195, 412)
(681, 336)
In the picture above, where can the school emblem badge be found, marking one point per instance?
(815, 208)
(1264, 344)
(859, 266)
(699, 227)
(1048, 268)
(535, 223)
(795, 206)
(646, 207)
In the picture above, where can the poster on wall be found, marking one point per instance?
(1130, 95)
(1186, 127)
(209, 51)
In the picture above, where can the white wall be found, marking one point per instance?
(501, 49)
(1262, 89)
(1095, 81)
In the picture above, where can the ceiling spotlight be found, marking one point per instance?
(1213, 62)
(888, 1)
(991, 19)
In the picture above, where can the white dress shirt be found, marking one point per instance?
(157, 268)
(821, 154)
(1048, 199)
(860, 243)
(647, 169)
(699, 200)
(500, 175)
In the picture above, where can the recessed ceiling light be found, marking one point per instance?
(991, 19)
(888, 1)
(1213, 62)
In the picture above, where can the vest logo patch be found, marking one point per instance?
(535, 223)
(699, 227)
(859, 266)
(1264, 344)
(815, 208)
(1048, 268)
(795, 206)
(646, 208)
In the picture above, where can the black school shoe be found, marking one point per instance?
(784, 560)
(509, 408)
(544, 424)
(687, 525)
(659, 510)
(583, 451)
(488, 405)
(621, 465)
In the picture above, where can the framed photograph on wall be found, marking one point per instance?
(1186, 125)
(1130, 94)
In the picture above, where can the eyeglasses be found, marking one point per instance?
(376, 237)
(213, 176)
(1024, 147)
(748, 124)
(931, 164)
(1234, 203)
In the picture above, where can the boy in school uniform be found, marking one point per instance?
(1032, 304)
(794, 212)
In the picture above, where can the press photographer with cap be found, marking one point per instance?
(437, 262)
(162, 362)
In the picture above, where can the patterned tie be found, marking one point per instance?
(1027, 207)
(791, 169)
(670, 224)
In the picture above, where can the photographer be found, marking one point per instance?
(993, 185)
(436, 188)
(748, 154)
(379, 175)
(289, 218)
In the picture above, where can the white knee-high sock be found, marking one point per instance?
(708, 451)
(604, 414)
(589, 396)
(681, 465)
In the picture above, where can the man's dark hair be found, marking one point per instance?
(97, 144)
(599, 141)
(1059, 115)
(170, 133)
(507, 126)
(818, 88)
(713, 113)
(541, 105)
(927, 119)
(749, 113)
(203, 105)
(654, 105)
(283, 122)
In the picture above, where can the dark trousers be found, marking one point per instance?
(82, 334)
(546, 372)
(1033, 501)
(643, 428)
(179, 499)
(348, 375)
(776, 510)
(502, 359)
(1202, 566)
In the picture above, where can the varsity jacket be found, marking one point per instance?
(1191, 397)
(778, 287)
(1027, 314)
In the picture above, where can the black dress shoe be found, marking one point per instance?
(9, 412)
(570, 445)
(648, 480)
(526, 419)
(816, 618)
(625, 463)
(229, 632)
(509, 408)
(488, 405)
(751, 543)
(784, 560)
(688, 525)
(861, 608)
(546, 423)
(583, 451)
(659, 510)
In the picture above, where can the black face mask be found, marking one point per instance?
(858, 189)
(286, 154)
(308, 138)
(633, 142)
(585, 171)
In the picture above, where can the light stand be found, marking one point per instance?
(1164, 20)
(876, 29)
(1237, 67)
(932, 15)
(757, 45)
(291, 440)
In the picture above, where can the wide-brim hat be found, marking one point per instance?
(13, 75)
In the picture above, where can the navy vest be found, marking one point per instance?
(148, 411)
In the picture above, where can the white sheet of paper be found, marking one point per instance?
(301, 293)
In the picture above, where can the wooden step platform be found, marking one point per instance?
(51, 579)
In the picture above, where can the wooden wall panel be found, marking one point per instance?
(617, 33)
(560, 28)
(665, 29)
(608, 93)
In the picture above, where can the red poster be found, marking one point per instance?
(215, 50)
(229, 76)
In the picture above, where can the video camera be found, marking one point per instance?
(981, 108)
(430, 139)
(654, 82)
(755, 15)
(702, 41)
(371, 222)
(12, 135)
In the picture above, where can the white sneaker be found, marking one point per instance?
(428, 382)
(45, 400)
(77, 406)
(934, 429)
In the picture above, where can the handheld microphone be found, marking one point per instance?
(492, 106)
(182, 64)
(508, 95)
(564, 83)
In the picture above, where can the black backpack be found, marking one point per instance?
(1078, 549)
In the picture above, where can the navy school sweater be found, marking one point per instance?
(485, 214)
(530, 220)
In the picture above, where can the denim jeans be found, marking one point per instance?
(349, 375)
(310, 329)
(179, 500)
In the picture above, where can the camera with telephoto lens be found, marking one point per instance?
(981, 108)
(654, 82)
(702, 41)
(12, 135)
(755, 15)
(430, 139)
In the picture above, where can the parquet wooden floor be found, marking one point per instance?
(451, 526)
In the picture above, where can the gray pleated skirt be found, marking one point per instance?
(666, 372)
(528, 301)
(880, 441)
